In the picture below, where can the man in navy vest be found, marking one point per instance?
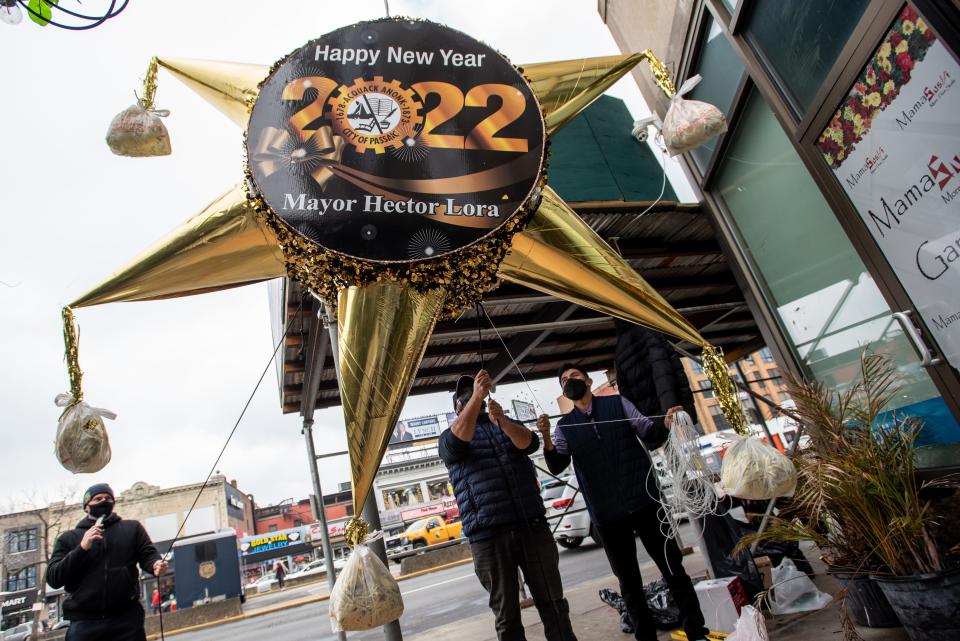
(602, 435)
(488, 458)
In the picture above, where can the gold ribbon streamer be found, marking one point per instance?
(723, 388)
(71, 354)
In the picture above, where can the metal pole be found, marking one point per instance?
(370, 512)
(317, 351)
(756, 405)
(321, 512)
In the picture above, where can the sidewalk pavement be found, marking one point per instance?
(595, 621)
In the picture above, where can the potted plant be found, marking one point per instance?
(859, 499)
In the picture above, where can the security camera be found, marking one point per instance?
(640, 127)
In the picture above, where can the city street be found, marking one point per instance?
(431, 600)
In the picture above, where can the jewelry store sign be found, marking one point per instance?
(894, 146)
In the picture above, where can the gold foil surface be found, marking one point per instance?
(559, 254)
(383, 329)
(567, 87)
(231, 87)
(223, 246)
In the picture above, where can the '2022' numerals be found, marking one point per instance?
(451, 102)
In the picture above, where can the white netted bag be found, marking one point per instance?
(690, 123)
(366, 595)
(750, 626)
(82, 444)
(756, 471)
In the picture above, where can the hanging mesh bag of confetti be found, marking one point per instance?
(690, 123)
(756, 471)
(366, 595)
(138, 131)
(82, 444)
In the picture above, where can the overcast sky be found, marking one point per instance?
(177, 372)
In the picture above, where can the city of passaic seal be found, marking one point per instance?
(375, 114)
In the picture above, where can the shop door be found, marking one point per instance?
(891, 146)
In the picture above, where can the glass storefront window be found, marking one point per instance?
(721, 70)
(829, 307)
(439, 489)
(800, 40)
(402, 497)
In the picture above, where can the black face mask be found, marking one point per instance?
(101, 509)
(575, 388)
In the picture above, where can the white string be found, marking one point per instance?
(663, 161)
(513, 360)
(694, 493)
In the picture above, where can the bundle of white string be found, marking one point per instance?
(694, 494)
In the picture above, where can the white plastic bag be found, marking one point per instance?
(750, 626)
(690, 123)
(366, 595)
(82, 444)
(756, 471)
(793, 591)
(138, 133)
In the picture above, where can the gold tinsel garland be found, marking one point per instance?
(149, 85)
(356, 531)
(467, 274)
(718, 372)
(71, 354)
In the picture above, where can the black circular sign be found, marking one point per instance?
(395, 140)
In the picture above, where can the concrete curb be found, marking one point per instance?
(293, 604)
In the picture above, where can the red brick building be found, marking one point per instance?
(289, 514)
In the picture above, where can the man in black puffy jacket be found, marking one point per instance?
(488, 458)
(96, 563)
(604, 437)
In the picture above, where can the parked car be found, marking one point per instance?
(312, 568)
(551, 489)
(317, 567)
(264, 584)
(431, 530)
(19, 633)
(571, 510)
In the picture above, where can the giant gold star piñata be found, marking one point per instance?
(398, 187)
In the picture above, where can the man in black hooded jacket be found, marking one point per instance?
(96, 563)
